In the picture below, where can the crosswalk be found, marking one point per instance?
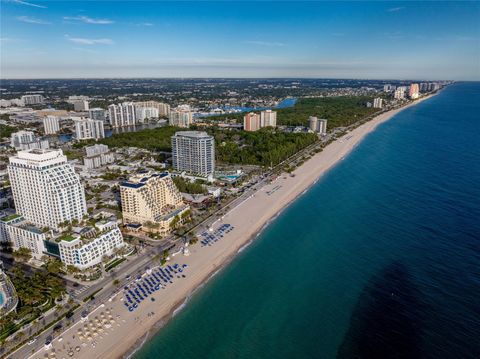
(80, 291)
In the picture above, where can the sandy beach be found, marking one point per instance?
(123, 330)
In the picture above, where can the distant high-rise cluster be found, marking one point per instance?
(180, 117)
(162, 108)
(318, 125)
(253, 121)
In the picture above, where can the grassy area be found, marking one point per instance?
(113, 264)
(66, 238)
(11, 217)
(73, 155)
(186, 186)
(340, 111)
(6, 131)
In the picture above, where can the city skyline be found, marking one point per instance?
(394, 40)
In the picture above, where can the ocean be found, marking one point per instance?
(379, 259)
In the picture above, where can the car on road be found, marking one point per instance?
(48, 343)
(31, 341)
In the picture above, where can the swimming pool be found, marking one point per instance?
(1, 299)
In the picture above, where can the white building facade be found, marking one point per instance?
(87, 129)
(51, 125)
(122, 115)
(180, 118)
(26, 140)
(268, 118)
(194, 152)
(378, 102)
(98, 155)
(32, 99)
(318, 125)
(85, 253)
(46, 190)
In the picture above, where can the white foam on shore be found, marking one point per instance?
(181, 306)
(138, 346)
(242, 248)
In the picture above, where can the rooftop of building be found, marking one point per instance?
(193, 134)
(140, 179)
(38, 155)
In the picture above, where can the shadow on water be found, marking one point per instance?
(386, 322)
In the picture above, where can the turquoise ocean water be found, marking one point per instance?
(380, 259)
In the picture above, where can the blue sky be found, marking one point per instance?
(404, 40)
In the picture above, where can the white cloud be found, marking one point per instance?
(145, 24)
(89, 20)
(29, 4)
(10, 39)
(32, 20)
(85, 41)
(265, 43)
(395, 9)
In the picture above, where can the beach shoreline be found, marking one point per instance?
(250, 218)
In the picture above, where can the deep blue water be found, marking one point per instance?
(380, 259)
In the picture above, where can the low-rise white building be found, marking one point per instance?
(22, 234)
(98, 155)
(26, 140)
(84, 251)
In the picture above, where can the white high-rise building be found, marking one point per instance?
(86, 128)
(97, 114)
(318, 125)
(51, 124)
(142, 113)
(194, 152)
(32, 99)
(180, 118)
(378, 102)
(400, 93)
(46, 190)
(268, 118)
(26, 140)
(122, 115)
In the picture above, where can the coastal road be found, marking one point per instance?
(106, 289)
